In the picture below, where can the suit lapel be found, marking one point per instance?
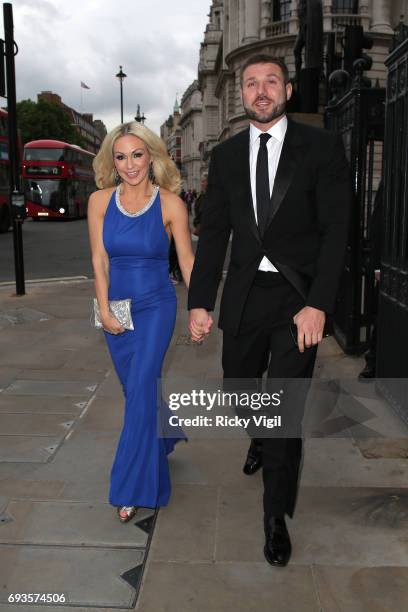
(244, 176)
(291, 154)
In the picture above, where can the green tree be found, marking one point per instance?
(45, 120)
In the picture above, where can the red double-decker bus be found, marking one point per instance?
(57, 179)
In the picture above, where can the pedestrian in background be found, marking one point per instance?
(198, 206)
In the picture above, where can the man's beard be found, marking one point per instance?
(277, 111)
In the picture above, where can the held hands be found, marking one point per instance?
(200, 324)
(310, 324)
(111, 324)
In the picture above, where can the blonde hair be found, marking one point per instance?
(164, 169)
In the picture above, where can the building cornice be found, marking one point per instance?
(190, 111)
(189, 91)
(259, 44)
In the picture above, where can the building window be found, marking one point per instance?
(281, 10)
(345, 7)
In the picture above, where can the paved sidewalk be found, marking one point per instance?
(60, 416)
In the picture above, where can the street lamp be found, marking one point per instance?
(121, 76)
(140, 118)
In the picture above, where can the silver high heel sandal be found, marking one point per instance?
(129, 511)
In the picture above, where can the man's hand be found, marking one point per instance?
(310, 324)
(200, 324)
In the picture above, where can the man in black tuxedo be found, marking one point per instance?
(284, 190)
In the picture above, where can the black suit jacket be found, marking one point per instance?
(307, 227)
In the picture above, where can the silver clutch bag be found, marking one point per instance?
(119, 308)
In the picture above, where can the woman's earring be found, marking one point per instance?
(116, 177)
(152, 178)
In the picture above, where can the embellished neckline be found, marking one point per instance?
(138, 212)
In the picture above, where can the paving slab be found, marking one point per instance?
(40, 404)
(349, 366)
(60, 388)
(351, 526)
(190, 463)
(105, 414)
(34, 424)
(339, 462)
(37, 449)
(77, 374)
(373, 412)
(7, 375)
(331, 526)
(217, 587)
(33, 356)
(93, 358)
(384, 449)
(185, 529)
(18, 339)
(3, 501)
(362, 589)
(80, 337)
(239, 535)
(87, 576)
(22, 488)
(71, 524)
(111, 386)
(84, 462)
(18, 316)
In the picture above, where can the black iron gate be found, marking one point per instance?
(392, 351)
(359, 117)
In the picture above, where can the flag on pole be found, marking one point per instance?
(84, 86)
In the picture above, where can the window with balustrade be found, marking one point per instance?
(345, 7)
(281, 10)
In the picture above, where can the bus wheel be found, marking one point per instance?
(5, 220)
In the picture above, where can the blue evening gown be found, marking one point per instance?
(137, 245)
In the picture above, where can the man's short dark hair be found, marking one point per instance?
(264, 58)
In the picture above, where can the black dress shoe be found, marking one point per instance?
(254, 459)
(277, 545)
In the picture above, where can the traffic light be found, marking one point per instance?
(354, 42)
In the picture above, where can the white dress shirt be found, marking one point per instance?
(274, 146)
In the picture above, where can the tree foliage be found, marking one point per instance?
(45, 120)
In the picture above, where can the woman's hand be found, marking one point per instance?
(111, 324)
(200, 324)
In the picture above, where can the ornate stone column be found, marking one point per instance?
(364, 10)
(241, 15)
(327, 15)
(252, 21)
(266, 16)
(381, 18)
(293, 20)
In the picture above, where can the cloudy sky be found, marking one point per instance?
(63, 43)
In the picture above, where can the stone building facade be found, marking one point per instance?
(92, 131)
(192, 136)
(239, 28)
(171, 133)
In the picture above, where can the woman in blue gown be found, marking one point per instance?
(131, 220)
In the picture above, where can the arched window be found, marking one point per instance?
(281, 10)
(345, 7)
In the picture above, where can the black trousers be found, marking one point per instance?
(265, 344)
